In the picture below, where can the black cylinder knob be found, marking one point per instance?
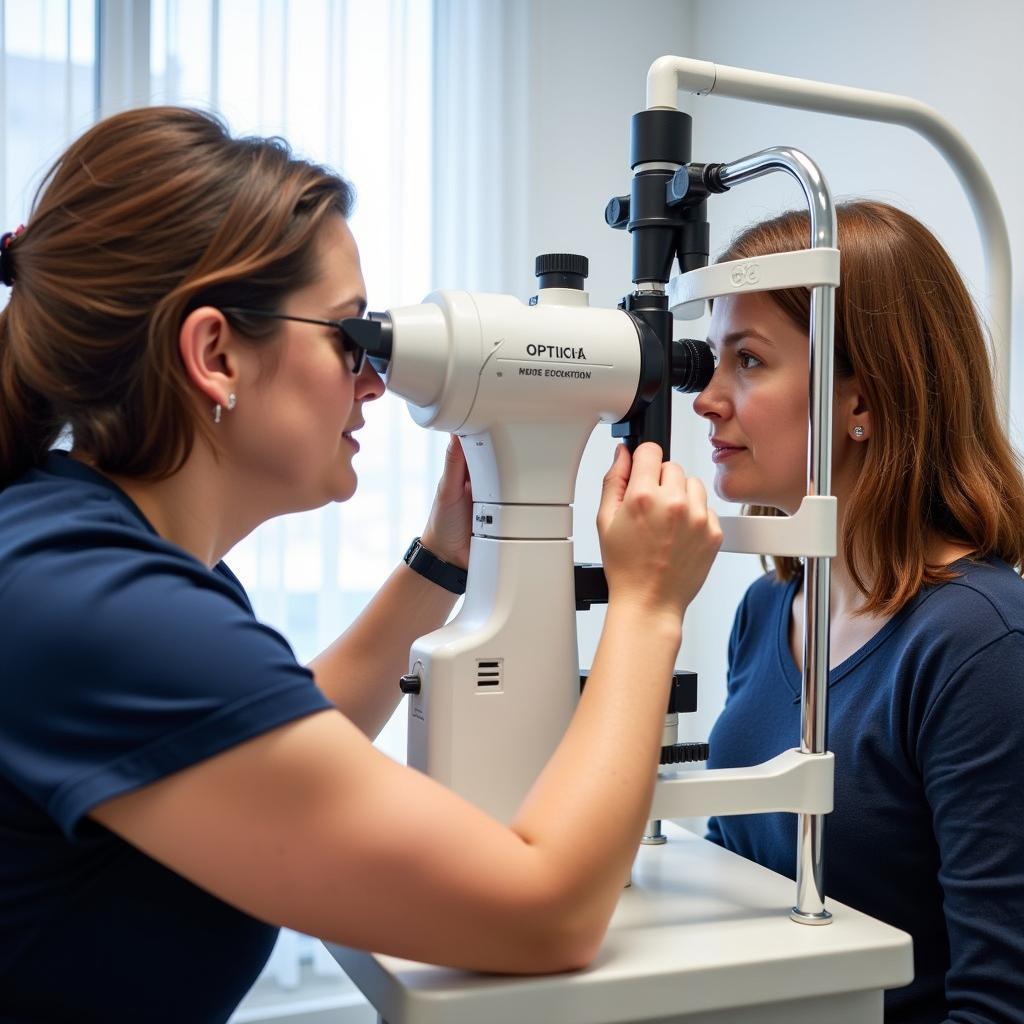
(682, 698)
(561, 270)
(693, 183)
(616, 213)
(684, 753)
(410, 684)
(660, 135)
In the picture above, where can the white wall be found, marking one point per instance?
(965, 62)
(587, 68)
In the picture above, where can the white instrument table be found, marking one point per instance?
(701, 937)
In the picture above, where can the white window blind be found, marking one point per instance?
(48, 91)
(347, 83)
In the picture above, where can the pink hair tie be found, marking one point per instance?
(6, 264)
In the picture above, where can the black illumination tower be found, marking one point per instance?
(666, 216)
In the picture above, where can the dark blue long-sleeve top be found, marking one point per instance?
(926, 721)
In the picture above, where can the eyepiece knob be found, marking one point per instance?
(561, 270)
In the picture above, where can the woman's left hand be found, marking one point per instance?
(449, 527)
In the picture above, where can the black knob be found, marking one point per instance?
(591, 585)
(692, 184)
(561, 270)
(686, 184)
(682, 698)
(410, 684)
(616, 213)
(684, 753)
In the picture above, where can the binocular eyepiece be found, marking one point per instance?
(693, 363)
(372, 333)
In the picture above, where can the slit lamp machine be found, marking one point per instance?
(525, 385)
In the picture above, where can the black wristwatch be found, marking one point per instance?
(435, 569)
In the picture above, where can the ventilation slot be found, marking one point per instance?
(488, 673)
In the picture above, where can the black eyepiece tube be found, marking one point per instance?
(373, 333)
(693, 365)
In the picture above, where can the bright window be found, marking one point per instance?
(48, 94)
(349, 84)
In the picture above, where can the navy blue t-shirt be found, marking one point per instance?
(926, 721)
(122, 659)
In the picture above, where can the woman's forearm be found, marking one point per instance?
(359, 672)
(577, 831)
(607, 761)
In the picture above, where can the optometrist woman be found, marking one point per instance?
(926, 691)
(173, 784)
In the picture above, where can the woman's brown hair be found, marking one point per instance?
(938, 462)
(149, 215)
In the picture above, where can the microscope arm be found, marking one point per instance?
(668, 75)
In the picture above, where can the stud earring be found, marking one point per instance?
(858, 431)
(232, 402)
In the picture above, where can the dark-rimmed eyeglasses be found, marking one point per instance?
(354, 355)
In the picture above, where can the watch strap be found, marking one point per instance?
(435, 569)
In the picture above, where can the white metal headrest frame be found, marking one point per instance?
(805, 268)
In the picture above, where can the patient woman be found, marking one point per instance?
(173, 783)
(926, 689)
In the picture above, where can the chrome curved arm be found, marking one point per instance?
(810, 905)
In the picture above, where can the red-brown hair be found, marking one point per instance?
(149, 215)
(938, 463)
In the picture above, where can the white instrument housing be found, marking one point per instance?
(524, 386)
(505, 377)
